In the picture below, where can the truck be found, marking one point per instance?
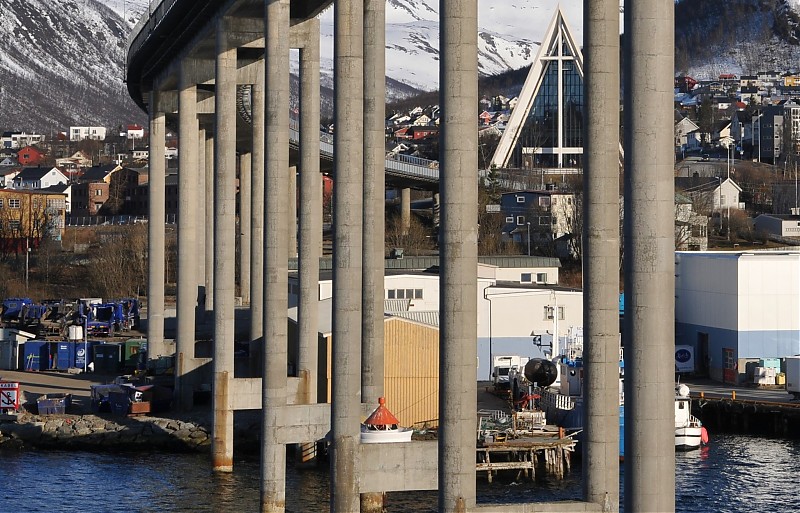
(501, 367)
(793, 376)
(105, 318)
(22, 312)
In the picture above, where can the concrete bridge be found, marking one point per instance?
(187, 63)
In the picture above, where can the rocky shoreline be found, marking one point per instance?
(96, 432)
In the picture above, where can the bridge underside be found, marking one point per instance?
(218, 71)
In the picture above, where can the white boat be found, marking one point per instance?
(563, 403)
(689, 431)
(381, 427)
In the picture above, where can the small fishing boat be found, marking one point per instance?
(689, 431)
(381, 427)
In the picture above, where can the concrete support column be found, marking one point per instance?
(224, 248)
(348, 78)
(276, 144)
(601, 252)
(372, 365)
(459, 254)
(310, 232)
(209, 226)
(257, 230)
(155, 230)
(310, 215)
(188, 176)
(292, 194)
(245, 198)
(200, 277)
(405, 210)
(649, 261)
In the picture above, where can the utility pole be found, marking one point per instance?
(529, 238)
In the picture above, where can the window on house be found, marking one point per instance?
(525, 278)
(544, 201)
(544, 220)
(509, 219)
(520, 199)
(14, 225)
(13, 203)
(417, 293)
(390, 294)
(549, 311)
(1, 203)
(520, 220)
(401, 294)
(98, 192)
(541, 277)
(409, 293)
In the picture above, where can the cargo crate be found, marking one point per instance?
(53, 404)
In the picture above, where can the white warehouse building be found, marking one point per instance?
(737, 307)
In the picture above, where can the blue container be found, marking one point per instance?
(37, 355)
(65, 355)
(53, 404)
(84, 353)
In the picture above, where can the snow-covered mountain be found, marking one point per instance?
(62, 61)
(61, 64)
(508, 38)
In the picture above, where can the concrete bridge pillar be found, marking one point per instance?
(209, 226)
(459, 254)
(188, 177)
(257, 229)
(292, 194)
(155, 229)
(224, 247)
(649, 263)
(200, 215)
(245, 219)
(601, 252)
(372, 366)
(348, 77)
(405, 210)
(310, 233)
(276, 145)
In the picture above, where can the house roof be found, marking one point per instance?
(59, 188)
(96, 173)
(33, 173)
(696, 183)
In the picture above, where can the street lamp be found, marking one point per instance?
(529, 237)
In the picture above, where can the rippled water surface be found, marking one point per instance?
(734, 474)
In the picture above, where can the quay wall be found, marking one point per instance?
(768, 419)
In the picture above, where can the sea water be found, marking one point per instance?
(733, 474)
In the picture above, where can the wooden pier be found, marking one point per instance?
(525, 456)
(526, 446)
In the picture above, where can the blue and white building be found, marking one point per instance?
(737, 307)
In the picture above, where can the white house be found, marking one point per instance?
(517, 300)
(39, 178)
(735, 308)
(79, 133)
(683, 141)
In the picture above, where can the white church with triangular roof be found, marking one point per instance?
(545, 129)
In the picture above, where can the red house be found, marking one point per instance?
(29, 156)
